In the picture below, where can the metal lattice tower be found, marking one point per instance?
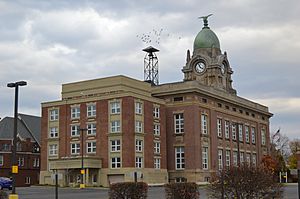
(151, 65)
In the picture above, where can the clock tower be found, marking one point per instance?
(208, 65)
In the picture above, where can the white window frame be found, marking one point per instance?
(115, 126)
(156, 112)
(254, 160)
(219, 127)
(241, 134)
(91, 128)
(233, 131)
(179, 123)
(253, 137)
(138, 162)
(91, 110)
(242, 159)
(179, 158)
(227, 157)
(139, 108)
(220, 159)
(53, 114)
(247, 134)
(248, 158)
(263, 136)
(157, 147)
(138, 126)
(115, 145)
(21, 161)
(1, 160)
(204, 124)
(156, 129)
(227, 129)
(75, 148)
(75, 112)
(205, 158)
(53, 149)
(27, 180)
(75, 130)
(156, 163)
(91, 147)
(235, 158)
(115, 162)
(115, 107)
(139, 144)
(53, 132)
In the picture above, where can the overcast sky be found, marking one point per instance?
(48, 43)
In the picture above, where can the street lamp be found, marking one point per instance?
(82, 184)
(15, 85)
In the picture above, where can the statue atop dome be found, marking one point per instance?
(205, 21)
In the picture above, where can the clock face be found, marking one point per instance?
(223, 68)
(200, 67)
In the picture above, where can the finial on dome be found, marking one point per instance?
(205, 21)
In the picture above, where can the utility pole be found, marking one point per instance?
(82, 171)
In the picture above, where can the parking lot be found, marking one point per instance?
(37, 192)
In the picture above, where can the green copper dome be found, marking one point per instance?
(206, 38)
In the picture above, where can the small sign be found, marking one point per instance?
(82, 171)
(15, 169)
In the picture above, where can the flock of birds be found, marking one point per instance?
(155, 36)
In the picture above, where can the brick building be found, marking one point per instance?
(28, 155)
(181, 131)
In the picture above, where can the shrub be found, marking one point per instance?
(126, 190)
(3, 195)
(184, 190)
(244, 182)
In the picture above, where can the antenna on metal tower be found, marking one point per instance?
(151, 66)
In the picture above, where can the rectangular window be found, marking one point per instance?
(91, 110)
(179, 158)
(254, 159)
(219, 127)
(205, 158)
(253, 135)
(227, 158)
(75, 148)
(75, 112)
(248, 158)
(75, 130)
(53, 149)
(115, 162)
(138, 108)
(233, 131)
(138, 126)
(6, 147)
(235, 158)
(27, 180)
(241, 157)
(157, 147)
(156, 163)
(138, 162)
(115, 126)
(115, 145)
(138, 145)
(36, 162)
(204, 124)
(91, 128)
(91, 147)
(156, 129)
(115, 107)
(179, 123)
(247, 137)
(263, 136)
(53, 115)
(156, 112)
(1, 160)
(227, 129)
(241, 136)
(220, 159)
(53, 132)
(20, 161)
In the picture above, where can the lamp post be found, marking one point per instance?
(82, 171)
(15, 85)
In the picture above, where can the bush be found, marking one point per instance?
(184, 190)
(3, 195)
(126, 190)
(244, 182)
